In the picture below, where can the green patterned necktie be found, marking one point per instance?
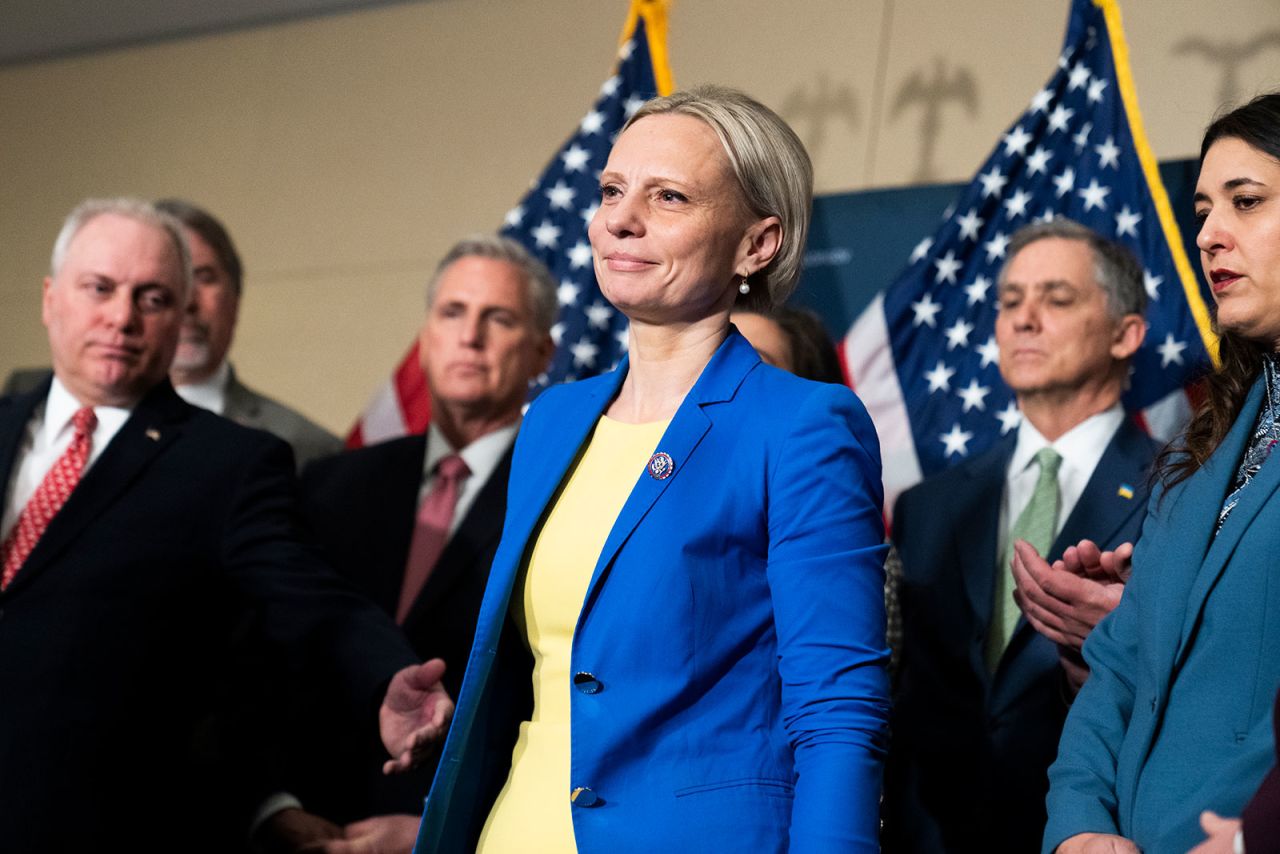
(1036, 524)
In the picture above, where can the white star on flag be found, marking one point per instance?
(958, 333)
(974, 396)
(969, 224)
(1039, 161)
(1127, 222)
(567, 293)
(513, 217)
(599, 314)
(990, 352)
(977, 290)
(1081, 139)
(1009, 417)
(547, 234)
(575, 158)
(1080, 75)
(1171, 351)
(1016, 140)
(926, 311)
(1152, 283)
(1094, 195)
(580, 255)
(1059, 117)
(992, 182)
(1016, 205)
(1108, 154)
(592, 122)
(956, 440)
(557, 333)
(940, 377)
(996, 246)
(589, 213)
(1066, 182)
(947, 266)
(561, 196)
(584, 353)
(1096, 86)
(922, 249)
(1042, 100)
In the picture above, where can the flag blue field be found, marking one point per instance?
(552, 219)
(923, 355)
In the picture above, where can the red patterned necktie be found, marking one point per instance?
(431, 530)
(49, 496)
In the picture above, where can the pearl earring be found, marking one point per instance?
(745, 287)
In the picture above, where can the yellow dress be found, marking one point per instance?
(531, 814)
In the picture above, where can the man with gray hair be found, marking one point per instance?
(983, 688)
(414, 522)
(137, 533)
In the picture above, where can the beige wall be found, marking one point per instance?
(345, 153)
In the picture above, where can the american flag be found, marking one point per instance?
(551, 221)
(923, 355)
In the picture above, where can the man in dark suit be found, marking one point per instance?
(200, 372)
(981, 696)
(136, 531)
(486, 335)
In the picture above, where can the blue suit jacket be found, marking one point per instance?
(970, 749)
(1176, 716)
(734, 626)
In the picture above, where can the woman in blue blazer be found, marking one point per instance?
(1175, 717)
(727, 657)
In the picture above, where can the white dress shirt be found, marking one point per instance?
(1081, 448)
(210, 394)
(48, 434)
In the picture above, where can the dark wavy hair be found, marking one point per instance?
(1257, 123)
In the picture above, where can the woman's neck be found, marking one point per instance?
(665, 362)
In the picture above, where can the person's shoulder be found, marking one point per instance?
(784, 396)
(288, 423)
(985, 463)
(369, 458)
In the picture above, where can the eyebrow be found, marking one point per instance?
(1232, 184)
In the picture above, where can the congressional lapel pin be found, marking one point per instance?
(1125, 491)
(661, 466)
(153, 434)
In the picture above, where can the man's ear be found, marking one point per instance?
(1130, 332)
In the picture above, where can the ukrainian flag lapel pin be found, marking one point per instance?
(1125, 491)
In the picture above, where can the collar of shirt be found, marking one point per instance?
(1081, 448)
(481, 456)
(210, 394)
(48, 434)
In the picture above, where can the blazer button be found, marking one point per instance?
(587, 683)
(583, 797)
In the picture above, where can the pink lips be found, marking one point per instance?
(1222, 278)
(623, 262)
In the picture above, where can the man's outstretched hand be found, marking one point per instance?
(414, 715)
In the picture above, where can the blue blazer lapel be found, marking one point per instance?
(1254, 497)
(1185, 580)
(718, 382)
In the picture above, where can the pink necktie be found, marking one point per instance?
(49, 496)
(431, 531)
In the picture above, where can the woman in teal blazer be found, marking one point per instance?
(1176, 715)
(729, 691)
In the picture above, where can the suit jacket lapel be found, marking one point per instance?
(718, 382)
(1185, 581)
(1102, 509)
(14, 418)
(1254, 497)
(153, 426)
(241, 406)
(978, 523)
